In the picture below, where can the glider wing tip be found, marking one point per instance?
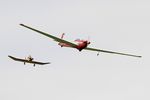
(140, 56)
(48, 63)
(9, 56)
(22, 24)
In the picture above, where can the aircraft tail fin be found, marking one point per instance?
(62, 36)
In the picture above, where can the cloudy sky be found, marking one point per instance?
(117, 25)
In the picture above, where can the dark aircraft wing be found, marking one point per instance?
(17, 59)
(40, 63)
(24, 60)
(50, 36)
(99, 50)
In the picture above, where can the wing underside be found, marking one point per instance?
(99, 50)
(24, 60)
(74, 45)
(50, 36)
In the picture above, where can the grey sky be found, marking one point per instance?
(117, 25)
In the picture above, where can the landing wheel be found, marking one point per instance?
(34, 65)
(80, 50)
(98, 54)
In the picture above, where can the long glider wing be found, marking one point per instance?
(24, 60)
(50, 36)
(99, 50)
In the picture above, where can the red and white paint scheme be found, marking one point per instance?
(81, 44)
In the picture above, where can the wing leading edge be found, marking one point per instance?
(50, 36)
(23, 60)
(74, 45)
(99, 50)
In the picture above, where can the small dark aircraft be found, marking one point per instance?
(81, 44)
(29, 59)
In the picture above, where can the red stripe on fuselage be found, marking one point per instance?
(80, 46)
